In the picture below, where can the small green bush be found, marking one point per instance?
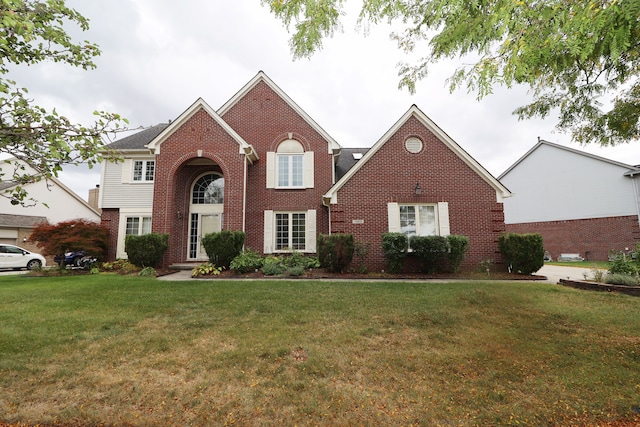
(431, 250)
(147, 272)
(335, 251)
(361, 252)
(394, 246)
(206, 269)
(146, 250)
(523, 253)
(120, 266)
(621, 279)
(458, 246)
(222, 247)
(298, 270)
(622, 264)
(273, 266)
(247, 261)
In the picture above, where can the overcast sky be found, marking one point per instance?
(159, 56)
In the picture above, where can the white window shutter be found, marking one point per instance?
(268, 232)
(443, 219)
(393, 210)
(271, 169)
(127, 167)
(308, 169)
(310, 231)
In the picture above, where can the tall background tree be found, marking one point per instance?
(580, 58)
(32, 32)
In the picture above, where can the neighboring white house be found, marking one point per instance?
(579, 202)
(55, 203)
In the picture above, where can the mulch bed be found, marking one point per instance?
(320, 273)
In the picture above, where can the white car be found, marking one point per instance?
(15, 257)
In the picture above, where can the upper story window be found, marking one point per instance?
(208, 190)
(290, 167)
(143, 170)
(290, 157)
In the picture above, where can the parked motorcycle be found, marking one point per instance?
(75, 259)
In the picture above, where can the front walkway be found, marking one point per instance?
(553, 273)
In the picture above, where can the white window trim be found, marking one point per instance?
(122, 227)
(442, 216)
(310, 239)
(308, 170)
(128, 167)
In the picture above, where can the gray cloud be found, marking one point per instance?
(158, 56)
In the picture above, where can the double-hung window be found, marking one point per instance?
(290, 170)
(137, 225)
(290, 231)
(428, 219)
(286, 231)
(418, 220)
(143, 170)
(290, 166)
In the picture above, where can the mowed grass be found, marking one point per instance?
(113, 350)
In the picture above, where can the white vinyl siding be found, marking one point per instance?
(118, 191)
(286, 231)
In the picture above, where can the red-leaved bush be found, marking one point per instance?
(74, 235)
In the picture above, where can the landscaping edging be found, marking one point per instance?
(602, 287)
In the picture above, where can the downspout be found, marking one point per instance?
(244, 197)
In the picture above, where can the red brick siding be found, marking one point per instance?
(263, 119)
(174, 178)
(391, 175)
(597, 236)
(110, 218)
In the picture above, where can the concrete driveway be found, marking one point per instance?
(556, 272)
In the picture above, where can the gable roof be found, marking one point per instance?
(200, 104)
(6, 185)
(333, 146)
(632, 170)
(414, 111)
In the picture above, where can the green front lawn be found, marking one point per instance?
(117, 350)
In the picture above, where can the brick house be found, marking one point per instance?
(579, 202)
(260, 164)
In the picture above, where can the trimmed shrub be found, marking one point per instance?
(523, 253)
(394, 246)
(247, 261)
(223, 246)
(335, 251)
(273, 266)
(431, 250)
(458, 246)
(74, 235)
(621, 279)
(146, 250)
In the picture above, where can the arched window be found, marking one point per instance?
(290, 155)
(208, 190)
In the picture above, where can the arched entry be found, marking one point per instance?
(206, 210)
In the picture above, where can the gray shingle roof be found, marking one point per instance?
(25, 221)
(138, 140)
(347, 160)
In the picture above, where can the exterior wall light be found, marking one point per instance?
(418, 189)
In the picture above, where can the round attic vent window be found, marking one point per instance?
(413, 145)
